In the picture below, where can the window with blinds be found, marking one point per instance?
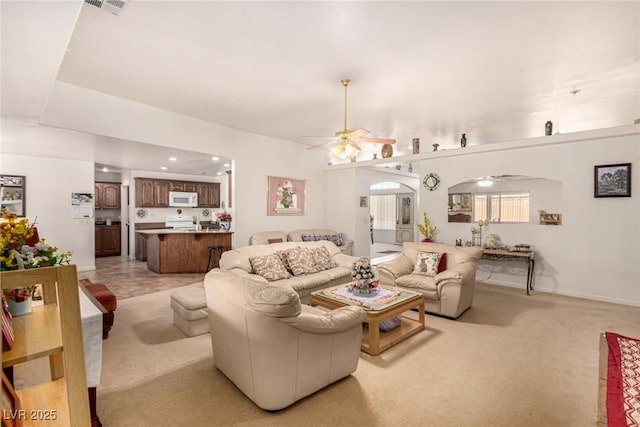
(502, 207)
(383, 209)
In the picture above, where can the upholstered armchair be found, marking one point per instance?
(449, 290)
(274, 349)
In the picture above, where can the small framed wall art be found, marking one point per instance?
(285, 196)
(612, 180)
(364, 201)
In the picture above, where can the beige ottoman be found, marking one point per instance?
(190, 310)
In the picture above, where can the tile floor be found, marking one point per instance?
(128, 278)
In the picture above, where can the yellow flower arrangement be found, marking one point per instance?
(16, 253)
(426, 228)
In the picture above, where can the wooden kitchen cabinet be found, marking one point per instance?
(208, 194)
(154, 193)
(145, 195)
(161, 193)
(107, 241)
(107, 195)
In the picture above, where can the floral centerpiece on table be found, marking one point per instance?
(15, 251)
(364, 275)
(224, 217)
(19, 251)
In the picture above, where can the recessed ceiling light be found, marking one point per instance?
(215, 159)
(226, 165)
(105, 169)
(164, 168)
(173, 159)
(219, 173)
(485, 183)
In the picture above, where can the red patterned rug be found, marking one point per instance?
(623, 381)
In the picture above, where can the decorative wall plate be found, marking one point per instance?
(141, 213)
(206, 212)
(431, 181)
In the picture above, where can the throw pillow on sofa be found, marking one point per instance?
(270, 267)
(336, 239)
(427, 263)
(322, 259)
(301, 261)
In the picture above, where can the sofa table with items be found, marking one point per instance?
(380, 306)
(506, 255)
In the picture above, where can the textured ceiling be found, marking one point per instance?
(496, 71)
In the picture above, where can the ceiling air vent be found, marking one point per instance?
(114, 6)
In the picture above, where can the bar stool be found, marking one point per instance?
(218, 250)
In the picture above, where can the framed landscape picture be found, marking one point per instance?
(612, 180)
(285, 196)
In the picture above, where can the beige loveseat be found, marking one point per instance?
(274, 349)
(238, 261)
(448, 293)
(268, 237)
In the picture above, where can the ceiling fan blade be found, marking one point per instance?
(321, 145)
(354, 145)
(378, 140)
(358, 133)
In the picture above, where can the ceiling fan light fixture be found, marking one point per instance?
(339, 151)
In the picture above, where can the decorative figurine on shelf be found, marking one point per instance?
(548, 128)
(435, 147)
(416, 145)
(375, 156)
(463, 140)
(458, 242)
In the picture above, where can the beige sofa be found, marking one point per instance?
(274, 349)
(238, 261)
(448, 293)
(268, 237)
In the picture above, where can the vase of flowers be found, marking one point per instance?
(20, 249)
(19, 300)
(365, 277)
(224, 219)
(427, 229)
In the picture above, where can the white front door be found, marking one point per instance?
(404, 217)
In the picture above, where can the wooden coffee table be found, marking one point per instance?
(375, 341)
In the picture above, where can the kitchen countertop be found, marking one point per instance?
(172, 231)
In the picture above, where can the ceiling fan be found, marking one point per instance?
(348, 139)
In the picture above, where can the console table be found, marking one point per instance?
(505, 255)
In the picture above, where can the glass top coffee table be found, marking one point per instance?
(385, 304)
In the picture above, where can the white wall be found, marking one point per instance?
(255, 156)
(594, 254)
(49, 184)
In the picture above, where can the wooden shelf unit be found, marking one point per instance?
(53, 330)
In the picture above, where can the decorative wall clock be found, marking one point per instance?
(431, 181)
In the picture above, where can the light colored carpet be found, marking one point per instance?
(511, 360)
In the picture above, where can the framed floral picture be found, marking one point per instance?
(612, 180)
(285, 196)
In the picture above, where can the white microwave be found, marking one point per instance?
(183, 199)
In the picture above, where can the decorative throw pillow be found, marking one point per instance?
(270, 267)
(336, 239)
(308, 237)
(278, 240)
(427, 263)
(285, 260)
(322, 259)
(301, 261)
(442, 265)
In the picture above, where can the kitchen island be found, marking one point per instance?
(182, 251)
